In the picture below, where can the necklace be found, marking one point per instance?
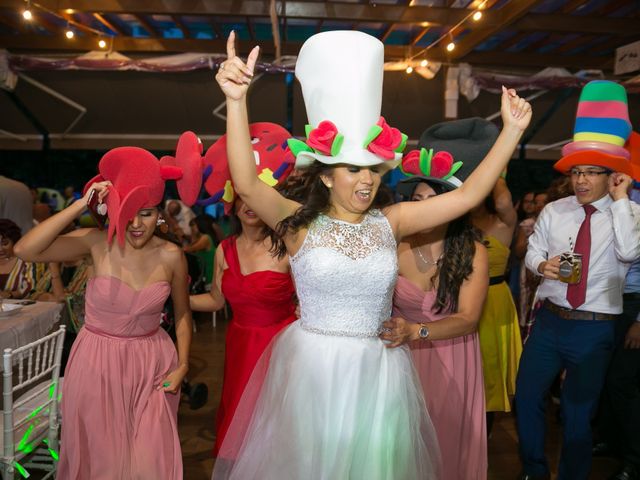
(428, 262)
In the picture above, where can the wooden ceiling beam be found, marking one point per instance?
(110, 25)
(148, 26)
(318, 10)
(217, 30)
(624, 26)
(418, 37)
(387, 32)
(21, 43)
(252, 33)
(181, 26)
(509, 13)
(76, 23)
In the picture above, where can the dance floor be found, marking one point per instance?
(197, 426)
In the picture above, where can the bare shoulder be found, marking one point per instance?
(169, 250)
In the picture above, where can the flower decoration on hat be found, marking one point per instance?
(423, 162)
(138, 180)
(274, 162)
(602, 127)
(382, 140)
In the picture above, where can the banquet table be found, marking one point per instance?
(30, 323)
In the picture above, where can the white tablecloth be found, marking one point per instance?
(29, 324)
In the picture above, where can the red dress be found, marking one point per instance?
(262, 304)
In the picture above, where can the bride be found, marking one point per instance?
(329, 400)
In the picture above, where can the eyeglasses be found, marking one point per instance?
(588, 173)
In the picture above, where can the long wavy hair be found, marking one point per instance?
(309, 189)
(456, 263)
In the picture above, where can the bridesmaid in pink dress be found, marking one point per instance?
(121, 389)
(442, 283)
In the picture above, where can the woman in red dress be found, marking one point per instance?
(257, 285)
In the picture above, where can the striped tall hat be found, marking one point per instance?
(601, 130)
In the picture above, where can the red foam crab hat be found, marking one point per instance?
(138, 179)
(274, 162)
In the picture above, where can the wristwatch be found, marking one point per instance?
(423, 333)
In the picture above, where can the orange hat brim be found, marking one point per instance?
(593, 157)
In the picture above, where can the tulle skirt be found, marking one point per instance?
(330, 407)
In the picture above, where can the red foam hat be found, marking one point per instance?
(138, 180)
(274, 162)
(633, 146)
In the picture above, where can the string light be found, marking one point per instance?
(424, 63)
(475, 14)
(69, 34)
(409, 69)
(102, 43)
(26, 14)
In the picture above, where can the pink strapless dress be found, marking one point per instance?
(451, 375)
(115, 424)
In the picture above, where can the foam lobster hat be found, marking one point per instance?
(341, 77)
(448, 153)
(138, 180)
(601, 130)
(274, 162)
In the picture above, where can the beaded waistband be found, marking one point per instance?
(339, 333)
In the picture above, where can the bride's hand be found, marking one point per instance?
(234, 76)
(516, 111)
(397, 331)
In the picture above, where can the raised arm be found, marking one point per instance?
(234, 77)
(408, 218)
(504, 204)
(43, 243)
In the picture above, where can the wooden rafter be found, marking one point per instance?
(575, 43)
(392, 52)
(517, 38)
(13, 23)
(41, 20)
(147, 25)
(613, 43)
(216, 29)
(510, 13)
(181, 26)
(252, 33)
(77, 23)
(578, 24)
(572, 6)
(386, 33)
(110, 25)
(418, 37)
(544, 40)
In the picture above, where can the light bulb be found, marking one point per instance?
(409, 69)
(69, 34)
(477, 16)
(424, 63)
(450, 46)
(27, 15)
(102, 43)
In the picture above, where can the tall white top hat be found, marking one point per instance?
(341, 77)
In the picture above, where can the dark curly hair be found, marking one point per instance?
(456, 263)
(8, 229)
(308, 189)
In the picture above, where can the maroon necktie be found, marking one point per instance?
(577, 292)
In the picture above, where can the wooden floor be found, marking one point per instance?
(197, 432)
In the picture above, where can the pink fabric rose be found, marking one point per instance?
(321, 138)
(411, 163)
(386, 142)
(441, 164)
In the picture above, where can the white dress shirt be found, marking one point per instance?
(615, 243)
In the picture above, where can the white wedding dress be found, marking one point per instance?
(328, 401)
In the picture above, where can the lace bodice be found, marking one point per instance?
(345, 274)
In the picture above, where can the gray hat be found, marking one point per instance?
(468, 141)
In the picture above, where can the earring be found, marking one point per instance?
(329, 185)
(161, 223)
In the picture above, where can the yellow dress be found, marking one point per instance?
(499, 333)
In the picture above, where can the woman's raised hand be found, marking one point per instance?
(234, 76)
(102, 189)
(516, 111)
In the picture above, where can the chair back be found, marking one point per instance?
(31, 371)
